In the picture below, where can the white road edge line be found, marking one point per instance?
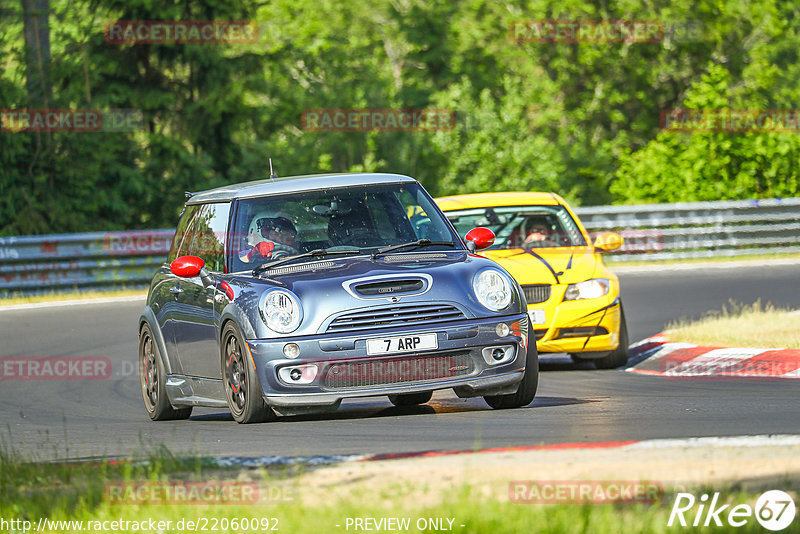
(759, 440)
(75, 302)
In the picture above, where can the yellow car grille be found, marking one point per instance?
(536, 293)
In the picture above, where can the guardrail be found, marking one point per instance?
(699, 229)
(34, 264)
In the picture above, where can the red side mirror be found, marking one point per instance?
(186, 266)
(482, 237)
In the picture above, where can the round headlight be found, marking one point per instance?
(493, 289)
(281, 311)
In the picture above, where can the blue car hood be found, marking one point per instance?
(321, 286)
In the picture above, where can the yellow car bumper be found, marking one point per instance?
(590, 325)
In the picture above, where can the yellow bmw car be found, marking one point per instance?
(573, 298)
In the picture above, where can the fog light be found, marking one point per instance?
(502, 329)
(291, 350)
(498, 355)
(298, 375)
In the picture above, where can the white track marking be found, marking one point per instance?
(76, 302)
(712, 362)
(762, 440)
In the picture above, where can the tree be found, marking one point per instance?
(35, 14)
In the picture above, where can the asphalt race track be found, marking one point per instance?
(76, 419)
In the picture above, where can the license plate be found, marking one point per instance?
(394, 345)
(537, 316)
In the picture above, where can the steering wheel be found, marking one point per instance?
(358, 237)
(279, 250)
(278, 254)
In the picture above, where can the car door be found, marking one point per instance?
(166, 288)
(196, 325)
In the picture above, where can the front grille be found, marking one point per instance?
(539, 334)
(536, 293)
(403, 370)
(398, 315)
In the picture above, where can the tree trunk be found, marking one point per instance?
(35, 16)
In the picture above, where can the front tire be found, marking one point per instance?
(153, 380)
(410, 399)
(242, 388)
(619, 356)
(528, 386)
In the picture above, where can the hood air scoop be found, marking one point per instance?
(389, 287)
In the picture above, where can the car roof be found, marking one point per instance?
(293, 184)
(485, 200)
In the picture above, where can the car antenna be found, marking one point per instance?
(272, 175)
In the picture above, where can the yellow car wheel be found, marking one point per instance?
(619, 356)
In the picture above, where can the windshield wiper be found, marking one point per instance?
(316, 253)
(417, 243)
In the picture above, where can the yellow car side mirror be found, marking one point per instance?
(608, 241)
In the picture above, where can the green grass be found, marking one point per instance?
(76, 493)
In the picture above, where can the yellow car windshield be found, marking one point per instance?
(522, 226)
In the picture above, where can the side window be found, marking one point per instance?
(182, 237)
(209, 235)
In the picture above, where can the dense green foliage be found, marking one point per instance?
(581, 119)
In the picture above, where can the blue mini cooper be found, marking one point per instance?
(285, 296)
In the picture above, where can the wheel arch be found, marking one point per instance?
(235, 314)
(232, 314)
(148, 318)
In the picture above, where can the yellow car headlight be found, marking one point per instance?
(588, 289)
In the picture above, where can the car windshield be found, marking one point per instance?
(361, 219)
(522, 226)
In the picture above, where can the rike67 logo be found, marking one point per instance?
(774, 510)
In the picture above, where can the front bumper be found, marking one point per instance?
(572, 318)
(459, 342)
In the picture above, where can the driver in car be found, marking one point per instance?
(539, 235)
(280, 239)
(279, 230)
